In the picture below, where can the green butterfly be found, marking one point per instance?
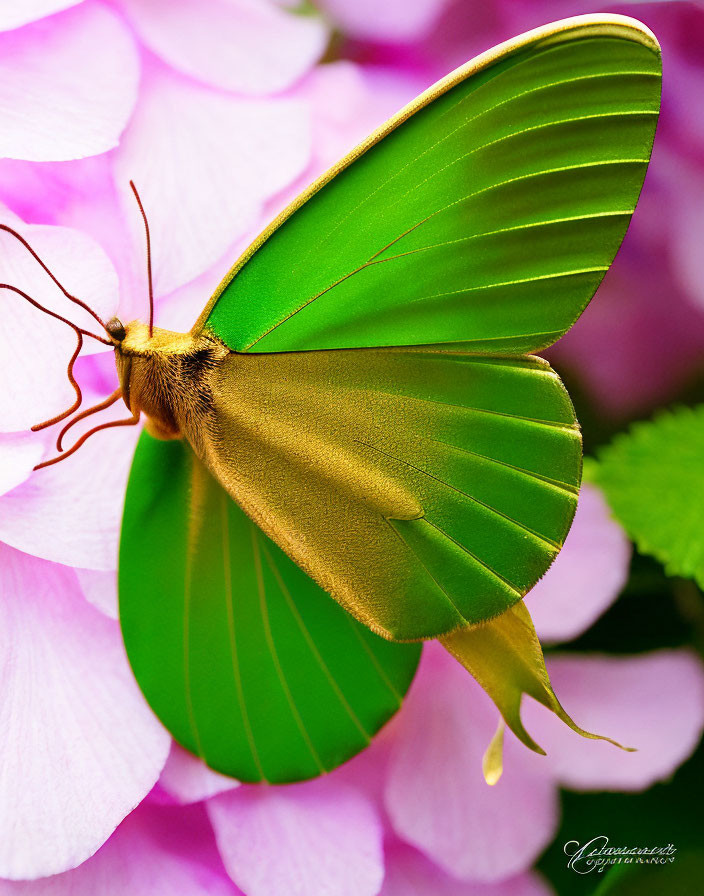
(358, 411)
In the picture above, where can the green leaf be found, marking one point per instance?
(487, 211)
(676, 875)
(247, 662)
(653, 478)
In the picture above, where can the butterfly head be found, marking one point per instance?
(116, 330)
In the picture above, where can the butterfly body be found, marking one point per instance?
(166, 376)
(359, 413)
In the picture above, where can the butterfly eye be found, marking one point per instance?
(116, 329)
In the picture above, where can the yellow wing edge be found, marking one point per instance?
(572, 28)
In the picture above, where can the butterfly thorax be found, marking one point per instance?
(167, 376)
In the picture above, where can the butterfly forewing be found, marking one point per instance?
(487, 212)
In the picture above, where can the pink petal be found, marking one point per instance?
(246, 45)
(79, 264)
(394, 21)
(181, 308)
(320, 838)
(349, 101)
(67, 85)
(15, 13)
(71, 512)
(366, 772)
(409, 873)
(204, 163)
(136, 862)
(34, 348)
(19, 452)
(189, 780)
(81, 747)
(80, 194)
(587, 576)
(686, 244)
(436, 795)
(100, 589)
(654, 702)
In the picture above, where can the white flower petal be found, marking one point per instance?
(204, 164)
(321, 837)
(71, 512)
(15, 13)
(80, 747)
(246, 45)
(35, 348)
(19, 452)
(135, 861)
(67, 85)
(100, 589)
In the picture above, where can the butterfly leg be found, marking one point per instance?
(108, 402)
(128, 421)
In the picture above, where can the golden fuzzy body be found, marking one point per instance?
(166, 376)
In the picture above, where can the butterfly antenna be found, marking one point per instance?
(80, 333)
(63, 289)
(55, 315)
(108, 402)
(149, 259)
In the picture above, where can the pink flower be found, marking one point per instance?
(220, 118)
(91, 96)
(394, 21)
(435, 793)
(156, 850)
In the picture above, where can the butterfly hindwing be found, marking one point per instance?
(487, 211)
(424, 488)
